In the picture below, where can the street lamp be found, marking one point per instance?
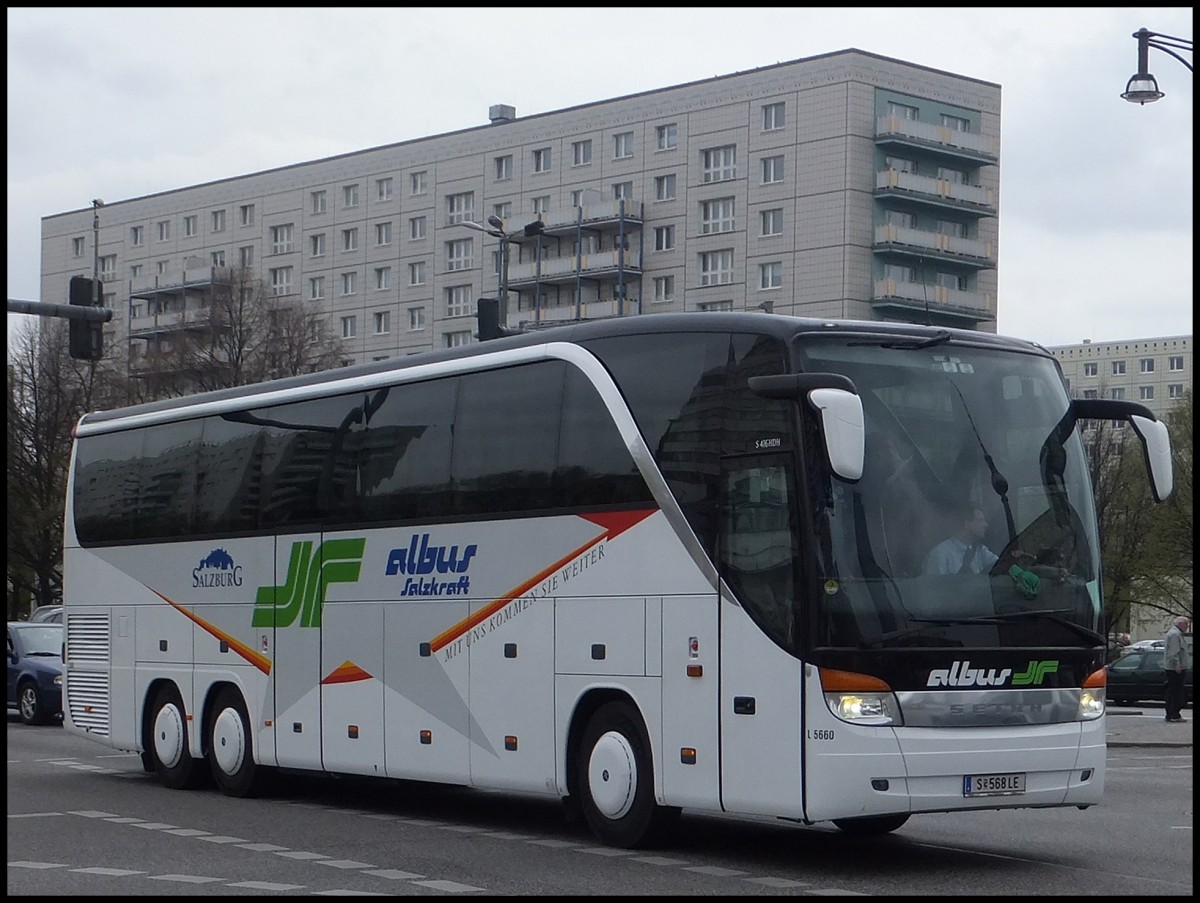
(1142, 87)
(497, 230)
(96, 205)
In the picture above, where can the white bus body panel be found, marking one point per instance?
(690, 706)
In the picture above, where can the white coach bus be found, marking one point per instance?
(657, 563)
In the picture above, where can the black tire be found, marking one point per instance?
(614, 780)
(231, 747)
(29, 702)
(872, 824)
(167, 741)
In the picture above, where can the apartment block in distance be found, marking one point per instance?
(846, 185)
(1155, 372)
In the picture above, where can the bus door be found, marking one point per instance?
(757, 549)
(295, 642)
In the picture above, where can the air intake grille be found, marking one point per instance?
(87, 691)
(87, 700)
(88, 638)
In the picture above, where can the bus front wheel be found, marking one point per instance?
(168, 751)
(230, 747)
(615, 779)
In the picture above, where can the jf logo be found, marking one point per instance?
(302, 594)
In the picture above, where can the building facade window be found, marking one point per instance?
(458, 300)
(350, 283)
(770, 222)
(418, 183)
(622, 145)
(137, 236)
(1091, 369)
(1175, 362)
(581, 152)
(164, 230)
(191, 226)
(350, 195)
(383, 278)
(664, 289)
(903, 110)
(217, 258)
(383, 322)
(1146, 393)
(772, 117)
(716, 267)
(460, 207)
(716, 216)
(955, 123)
(952, 175)
(416, 273)
(416, 318)
(383, 234)
(350, 239)
(1147, 364)
(541, 159)
(503, 210)
(1118, 368)
(108, 268)
(281, 239)
(384, 189)
(719, 163)
(1117, 394)
(246, 256)
(541, 205)
(316, 245)
(416, 228)
(622, 190)
(770, 275)
(319, 201)
(77, 244)
(316, 288)
(504, 167)
(135, 269)
(664, 187)
(664, 238)
(349, 327)
(218, 221)
(458, 339)
(666, 137)
(459, 254)
(246, 214)
(281, 280)
(1175, 390)
(772, 169)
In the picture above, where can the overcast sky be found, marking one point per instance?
(1095, 193)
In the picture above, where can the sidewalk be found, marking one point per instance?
(1137, 726)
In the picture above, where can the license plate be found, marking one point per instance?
(994, 784)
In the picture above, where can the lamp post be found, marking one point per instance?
(96, 295)
(1142, 87)
(497, 230)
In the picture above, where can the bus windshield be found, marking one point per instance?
(972, 525)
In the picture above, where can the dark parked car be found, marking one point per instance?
(35, 669)
(1138, 675)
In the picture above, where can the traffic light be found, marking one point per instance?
(85, 339)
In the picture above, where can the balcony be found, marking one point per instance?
(599, 265)
(906, 298)
(926, 190)
(939, 140)
(934, 246)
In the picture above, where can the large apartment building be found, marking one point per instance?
(1155, 372)
(846, 185)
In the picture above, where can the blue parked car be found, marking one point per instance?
(35, 669)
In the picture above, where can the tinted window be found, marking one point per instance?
(228, 477)
(106, 486)
(167, 484)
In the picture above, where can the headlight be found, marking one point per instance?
(860, 698)
(1093, 695)
(58, 680)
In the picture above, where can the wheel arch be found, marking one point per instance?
(585, 707)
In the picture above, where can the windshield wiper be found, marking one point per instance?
(1048, 614)
(910, 344)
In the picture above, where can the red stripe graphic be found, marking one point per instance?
(614, 524)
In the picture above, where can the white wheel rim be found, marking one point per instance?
(228, 741)
(612, 775)
(169, 743)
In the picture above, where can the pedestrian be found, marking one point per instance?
(1175, 662)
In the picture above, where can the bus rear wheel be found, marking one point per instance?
(167, 749)
(872, 824)
(230, 747)
(615, 780)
